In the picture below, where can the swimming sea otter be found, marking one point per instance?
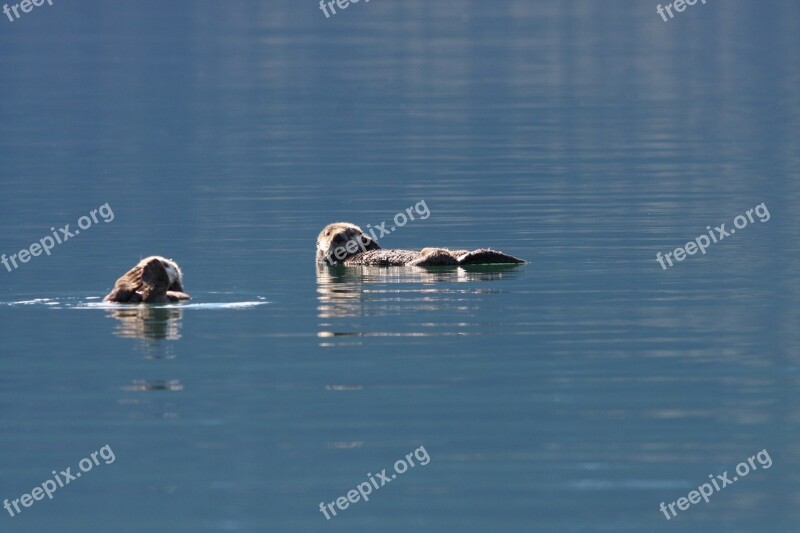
(154, 280)
(345, 243)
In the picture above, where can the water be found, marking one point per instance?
(574, 393)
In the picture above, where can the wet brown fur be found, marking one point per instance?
(148, 282)
(356, 248)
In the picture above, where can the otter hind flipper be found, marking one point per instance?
(486, 256)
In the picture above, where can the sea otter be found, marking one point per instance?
(345, 243)
(154, 280)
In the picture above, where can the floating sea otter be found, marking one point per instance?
(154, 280)
(345, 243)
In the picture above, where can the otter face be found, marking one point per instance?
(341, 240)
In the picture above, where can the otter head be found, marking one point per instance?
(341, 240)
(173, 271)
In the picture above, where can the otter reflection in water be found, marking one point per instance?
(147, 322)
(421, 301)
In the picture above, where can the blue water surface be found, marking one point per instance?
(576, 392)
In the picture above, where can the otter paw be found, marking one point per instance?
(123, 296)
(175, 296)
(434, 257)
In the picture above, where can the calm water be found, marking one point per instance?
(574, 393)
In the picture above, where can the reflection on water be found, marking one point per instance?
(370, 291)
(147, 322)
(140, 385)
